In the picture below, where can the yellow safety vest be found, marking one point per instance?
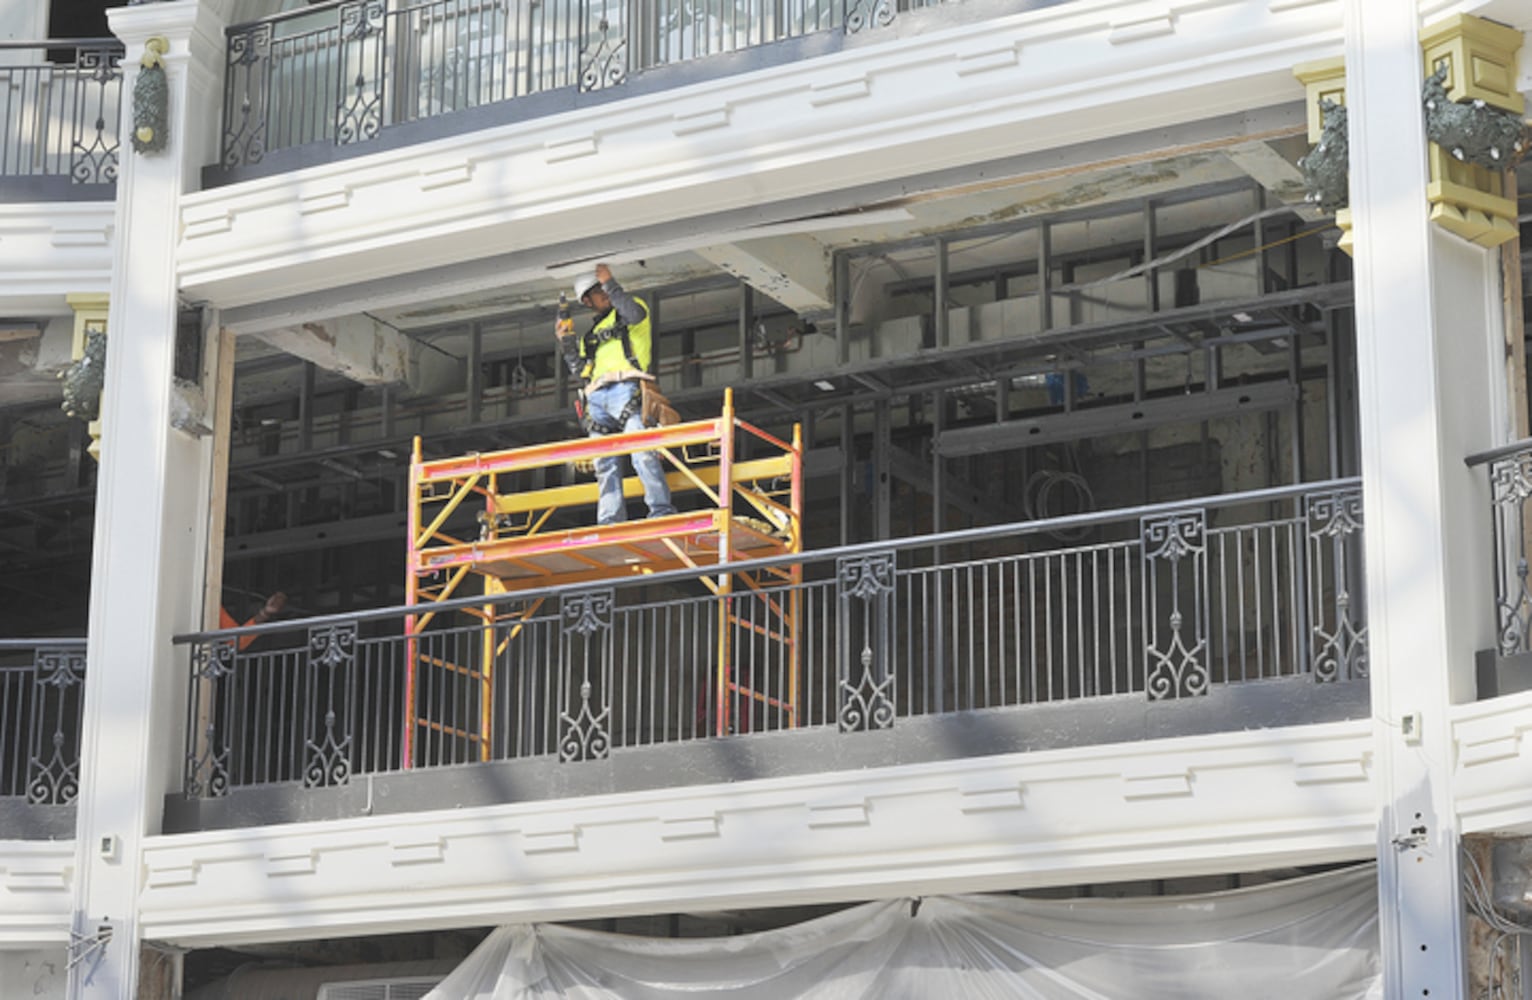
(613, 346)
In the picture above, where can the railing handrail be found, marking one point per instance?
(286, 15)
(955, 537)
(1505, 450)
(30, 643)
(65, 43)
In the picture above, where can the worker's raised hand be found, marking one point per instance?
(603, 273)
(273, 607)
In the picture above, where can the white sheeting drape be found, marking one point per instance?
(1314, 937)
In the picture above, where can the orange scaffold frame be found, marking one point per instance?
(517, 549)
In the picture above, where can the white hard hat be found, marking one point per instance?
(584, 284)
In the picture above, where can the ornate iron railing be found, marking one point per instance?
(1510, 485)
(343, 72)
(60, 110)
(1157, 602)
(42, 684)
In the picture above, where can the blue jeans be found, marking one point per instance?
(604, 406)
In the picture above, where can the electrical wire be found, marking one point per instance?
(1481, 903)
(1190, 248)
(1267, 246)
(1045, 485)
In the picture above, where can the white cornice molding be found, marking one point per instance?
(48, 250)
(36, 883)
(1492, 779)
(1010, 85)
(194, 29)
(138, 23)
(1240, 801)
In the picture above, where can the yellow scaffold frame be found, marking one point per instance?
(518, 547)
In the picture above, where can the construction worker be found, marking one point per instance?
(273, 607)
(612, 357)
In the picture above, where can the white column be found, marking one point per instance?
(151, 527)
(23, 21)
(1426, 325)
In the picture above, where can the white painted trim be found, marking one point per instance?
(52, 249)
(1492, 762)
(36, 893)
(1244, 801)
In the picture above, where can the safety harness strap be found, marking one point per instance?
(593, 340)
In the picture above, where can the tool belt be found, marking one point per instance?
(649, 403)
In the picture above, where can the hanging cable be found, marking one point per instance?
(1481, 903)
(1190, 248)
(1051, 493)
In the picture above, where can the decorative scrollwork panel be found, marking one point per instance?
(1337, 622)
(246, 104)
(94, 143)
(586, 675)
(1510, 481)
(53, 770)
(604, 52)
(864, 14)
(331, 687)
(359, 111)
(210, 723)
(1175, 605)
(865, 589)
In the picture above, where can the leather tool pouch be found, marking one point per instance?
(655, 408)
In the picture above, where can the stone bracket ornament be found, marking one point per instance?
(1473, 121)
(1473, 132)
(1326, 170)
(84, 378)
(151, 99)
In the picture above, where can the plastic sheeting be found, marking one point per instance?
(1314, 937)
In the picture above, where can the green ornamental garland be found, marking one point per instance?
(151, 99)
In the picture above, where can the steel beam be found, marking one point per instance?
(960, 493)
(1099, 421)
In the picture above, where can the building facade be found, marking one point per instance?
(1131, 518)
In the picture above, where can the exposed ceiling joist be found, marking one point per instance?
(357, 347)
(792, 270)
(1276, 174)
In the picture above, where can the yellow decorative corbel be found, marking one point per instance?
(1480, 60)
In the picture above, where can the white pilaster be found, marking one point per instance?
(1427, 397)
(146, 580)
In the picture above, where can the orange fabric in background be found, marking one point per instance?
(226, 620)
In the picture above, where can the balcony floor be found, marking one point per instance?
(1108, 720)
